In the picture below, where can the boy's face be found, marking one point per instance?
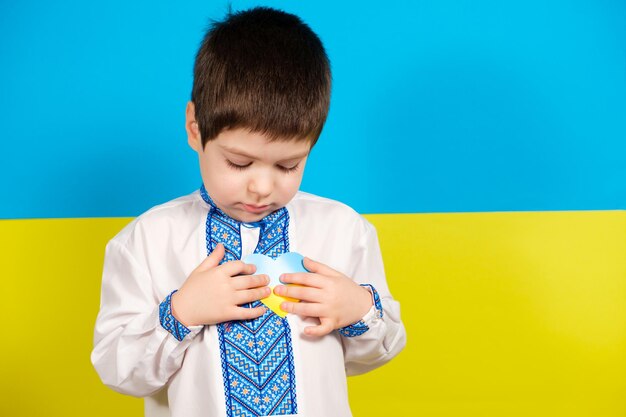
(247, 176)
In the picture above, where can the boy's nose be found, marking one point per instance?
(261, 185)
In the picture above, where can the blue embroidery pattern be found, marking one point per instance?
(355, 329)
(169, 322)
(256, 355)
(358, 328)
(377, 304)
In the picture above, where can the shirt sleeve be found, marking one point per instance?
(360, 327)
(380, 334)
(138, 344)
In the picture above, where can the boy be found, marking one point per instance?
(186, 330)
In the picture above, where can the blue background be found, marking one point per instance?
(438, 106)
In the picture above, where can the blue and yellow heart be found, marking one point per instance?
(286, 263)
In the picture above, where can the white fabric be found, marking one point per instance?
(156, 252)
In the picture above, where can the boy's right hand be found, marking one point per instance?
(213, 293)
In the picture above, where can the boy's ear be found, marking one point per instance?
(191, 126)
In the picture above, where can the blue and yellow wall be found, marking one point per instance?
(485, 140)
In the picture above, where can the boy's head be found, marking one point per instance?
(260, 97)
(264, 70)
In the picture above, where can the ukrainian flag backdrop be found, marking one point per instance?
(484, 139)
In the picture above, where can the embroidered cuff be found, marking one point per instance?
(360, 327)
(169, 322)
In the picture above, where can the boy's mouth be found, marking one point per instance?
(254, 209)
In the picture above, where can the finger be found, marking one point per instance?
(309, 294)
(233, 268)
(213, 259)
(318, 267)
(255, 294)
(302, 309)
(303, 278)
(245, 282)
(242, 313)
(320, 330)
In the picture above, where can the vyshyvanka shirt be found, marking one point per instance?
(135, 354)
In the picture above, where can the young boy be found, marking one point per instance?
(180, 321)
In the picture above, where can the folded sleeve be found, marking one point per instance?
(380, 334)
(138, 344)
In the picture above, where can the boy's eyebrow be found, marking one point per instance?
(243, 153)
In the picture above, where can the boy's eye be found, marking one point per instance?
(236, 166)
(242, 167)
(289, 169)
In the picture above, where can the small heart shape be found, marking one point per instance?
(286, 263)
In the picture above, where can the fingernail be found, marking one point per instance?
(278, 289)
(283, 306)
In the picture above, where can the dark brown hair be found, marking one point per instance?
(264, 70)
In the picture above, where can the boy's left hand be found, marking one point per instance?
(326, 294)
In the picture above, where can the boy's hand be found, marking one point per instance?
(213, 293)
(324, 293)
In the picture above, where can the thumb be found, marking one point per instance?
(213, 259)
(318, 267)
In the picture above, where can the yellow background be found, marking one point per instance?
(507, 314)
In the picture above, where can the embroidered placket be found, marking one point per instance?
(256, 355)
